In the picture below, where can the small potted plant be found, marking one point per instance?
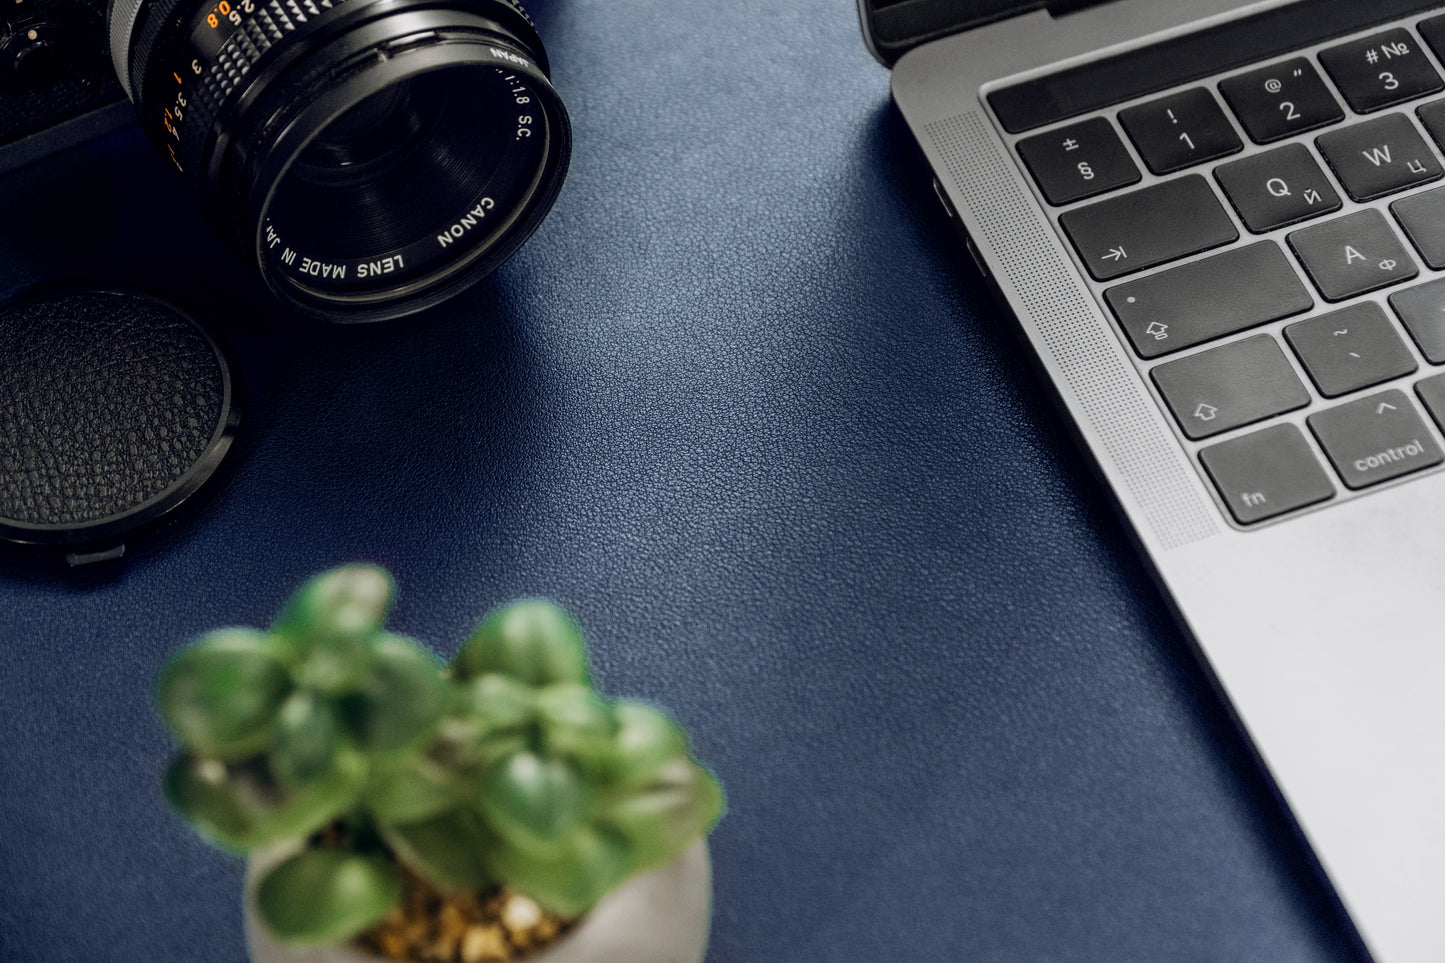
(394, 807)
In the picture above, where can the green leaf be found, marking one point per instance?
(319, 802)
(498, 703)
(220, 695)
(646, 740)
(533, 641)
(400, 700)
(330, 621)
(660, 820)
(200, 790)
(411, 788)
(327, 895)
(533, 801)
(308, 738)
(242, 805)
(575, 722)
(450, 850)
(569, 881)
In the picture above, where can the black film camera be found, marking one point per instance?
(54, 64)
(369, 158)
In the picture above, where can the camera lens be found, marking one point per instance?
(371, 158)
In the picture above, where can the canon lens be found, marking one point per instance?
(371, 157)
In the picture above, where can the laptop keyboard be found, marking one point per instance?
(1265, 242)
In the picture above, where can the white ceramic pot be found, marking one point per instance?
(659, 917)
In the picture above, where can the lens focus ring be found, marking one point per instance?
(258, 33)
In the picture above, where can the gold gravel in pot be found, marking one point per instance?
(434, 927)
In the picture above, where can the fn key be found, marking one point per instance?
(1266, 473)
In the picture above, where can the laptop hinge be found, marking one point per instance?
(893, 27)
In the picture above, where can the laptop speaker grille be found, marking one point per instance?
(1080, 344)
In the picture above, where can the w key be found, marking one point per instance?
(1149, 226)
(1379, 157)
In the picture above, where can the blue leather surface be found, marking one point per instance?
(737, 406)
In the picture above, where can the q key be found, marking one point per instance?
(1279, 187)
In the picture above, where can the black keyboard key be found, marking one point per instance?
(1208, 299)
(1432, 392)
(1434, 32)
(1149, 226)
(1375, 439)
(1279, 187)
(1381, 70)
(1422, 309)
(1423, 218)
(1433, 117)
(1266, 473)
(1352, 254)
(1078, 161)
(1379, 157)
(1280, 100)
(1180, 130)
(1350, 349)
(1233, 385)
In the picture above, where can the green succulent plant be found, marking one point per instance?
(503, 768)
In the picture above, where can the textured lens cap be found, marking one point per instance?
(115, 409)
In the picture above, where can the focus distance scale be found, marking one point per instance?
(371, 158)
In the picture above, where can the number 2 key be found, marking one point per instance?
(1280, 100)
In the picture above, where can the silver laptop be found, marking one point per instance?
(1221, 225)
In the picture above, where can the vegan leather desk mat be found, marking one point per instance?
(738, 408)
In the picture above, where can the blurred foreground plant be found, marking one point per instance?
(502, 768)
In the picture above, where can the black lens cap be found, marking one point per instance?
(116, 408)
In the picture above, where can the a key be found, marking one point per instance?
(1379, 157)
(1266, 473)
(1229, 386)
(1147, 227)
(1381, 70)
(1375, 439)
(1352, 254)
(1422, 310)
(1423, 218)
(1350, 349)
(1208, 299)
(1279, 187)
(1180, 130)
(1280, 100)
(1078, 161)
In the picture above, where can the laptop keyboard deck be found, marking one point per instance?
(1265, 241)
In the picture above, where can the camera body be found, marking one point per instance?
(55, 65)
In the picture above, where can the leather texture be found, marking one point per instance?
(744, 406)
(105, 402)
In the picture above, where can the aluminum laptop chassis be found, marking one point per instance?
(1325, 628)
